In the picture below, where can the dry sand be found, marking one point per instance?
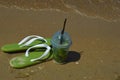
(95, 42)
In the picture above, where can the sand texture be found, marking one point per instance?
(94, 54)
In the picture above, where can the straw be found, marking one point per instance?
(62, 32)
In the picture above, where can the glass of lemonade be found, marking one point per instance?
(60, 51)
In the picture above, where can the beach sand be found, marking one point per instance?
(96, 45)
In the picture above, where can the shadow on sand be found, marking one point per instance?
(73, 56)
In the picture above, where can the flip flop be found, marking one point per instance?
(34, 57)
(25, 44)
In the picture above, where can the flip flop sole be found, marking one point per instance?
(23, 61)
(11, 48)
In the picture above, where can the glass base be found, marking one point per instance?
(58, 62)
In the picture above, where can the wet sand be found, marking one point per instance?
(95, 40)
(105, 9)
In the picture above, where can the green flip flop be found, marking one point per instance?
(25, 44)
(33, 57)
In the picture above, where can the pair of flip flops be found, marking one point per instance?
(37, 50)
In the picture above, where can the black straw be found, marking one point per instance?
(62, 32)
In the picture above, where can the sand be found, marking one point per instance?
(105, 9)
(96, 45)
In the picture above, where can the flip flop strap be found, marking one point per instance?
(29, 39)
(38, 46)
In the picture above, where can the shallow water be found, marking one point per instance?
(105, 9)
